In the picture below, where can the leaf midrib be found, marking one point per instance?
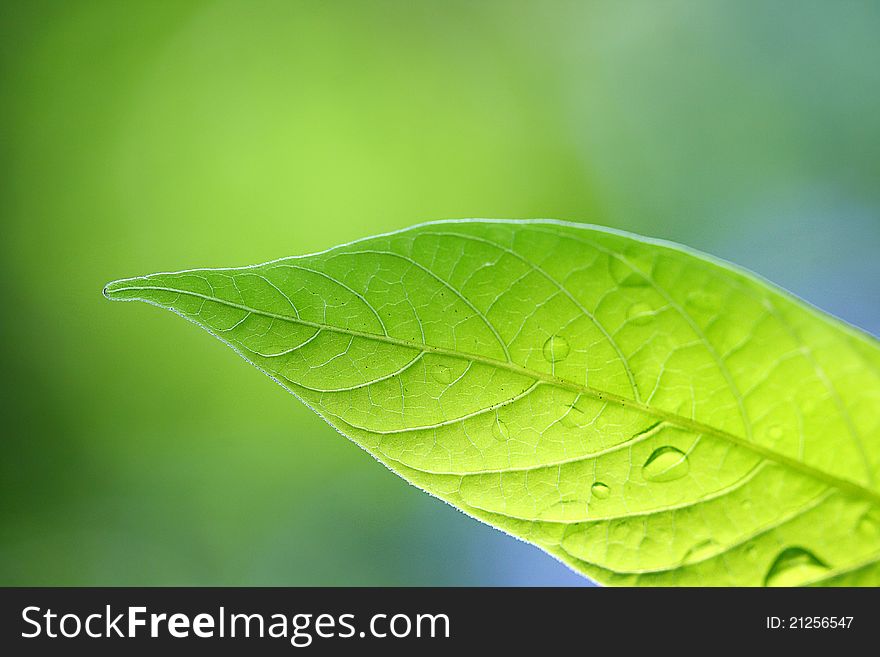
(843, 485)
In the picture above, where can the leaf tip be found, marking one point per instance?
(109, 291)
(115, 290)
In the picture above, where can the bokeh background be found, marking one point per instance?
(150, 136)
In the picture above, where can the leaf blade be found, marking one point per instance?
(510, 368)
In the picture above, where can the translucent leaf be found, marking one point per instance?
(645, 413)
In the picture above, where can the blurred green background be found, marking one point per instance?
(149, 136)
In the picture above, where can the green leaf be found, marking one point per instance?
(645, 413)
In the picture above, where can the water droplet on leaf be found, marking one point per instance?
(640, 313)
(571, 416)
(625, 274)
(703, 300)
(665, 464)
(441, 373)
(700, 551)
(556, 348)
(600, 491)
(869, 525)
(794, 566)
(775, 432)
(685, 409)
(500, 430)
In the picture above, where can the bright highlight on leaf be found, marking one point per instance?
(644, 413)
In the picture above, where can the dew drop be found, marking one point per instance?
(701, 551)
(600, 491)
(869, 525)
(571, 416)
(775, 432)
(685, 409)
(794, 566)
(441, 373)
(640, 313)
(703, 300)
(665, 464)
(500, 430)
(624, 274)
(556, 349)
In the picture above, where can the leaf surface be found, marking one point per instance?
(645, 413)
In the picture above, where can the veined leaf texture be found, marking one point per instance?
(645, 413)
